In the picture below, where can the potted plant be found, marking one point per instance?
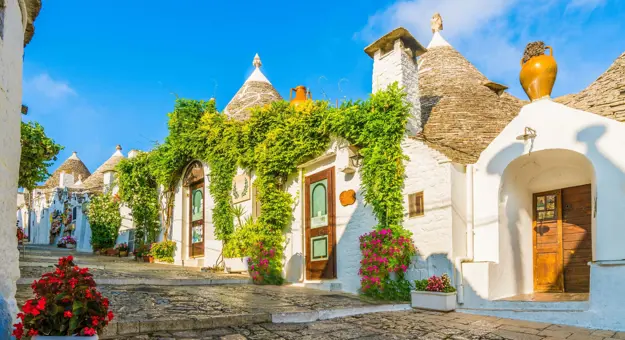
(122, 248)
(143, 253)
(66, 304)
(435, 293)
(67, 242)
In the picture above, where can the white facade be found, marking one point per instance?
(14, 19)
(571, 147)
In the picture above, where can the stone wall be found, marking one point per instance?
(11, 52)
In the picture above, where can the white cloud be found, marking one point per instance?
(43, 85)
(461, 18)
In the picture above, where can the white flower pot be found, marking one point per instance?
(75, 337)
(235, 264)
(433, 300)
(70, 246)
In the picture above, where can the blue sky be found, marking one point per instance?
(102, 73)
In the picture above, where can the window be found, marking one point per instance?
(415, 204)
(74, 212)
(256, 204)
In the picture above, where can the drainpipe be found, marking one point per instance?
(302, 188)
(469, 235)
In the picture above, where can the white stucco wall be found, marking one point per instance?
(571, 147)
(11, 53)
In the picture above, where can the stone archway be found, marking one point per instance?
(548, 249)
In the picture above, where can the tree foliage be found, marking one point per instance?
(38, 153)
(104, 219)
(139, 190)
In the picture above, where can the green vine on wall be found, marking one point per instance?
(272, 142)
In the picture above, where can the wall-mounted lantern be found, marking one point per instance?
(354, 161)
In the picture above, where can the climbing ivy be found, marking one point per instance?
(139, 190)
(272, 142)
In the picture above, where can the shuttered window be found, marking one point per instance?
(415, 204)
(256, 202)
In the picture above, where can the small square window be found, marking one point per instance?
(415, 204)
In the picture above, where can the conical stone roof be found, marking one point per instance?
(462, 111)
(73, 166)
(95, 182)
(256, 91)
(605, 96)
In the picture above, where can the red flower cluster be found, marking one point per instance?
(69, 289)
(264, 264)
(439, 284)
(383, 252)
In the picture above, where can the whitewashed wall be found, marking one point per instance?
(11, 54)
(586, 142)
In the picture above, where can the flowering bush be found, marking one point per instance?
(264, 265)
(164, 251)
(20, 234)
(436, 284)
(66, 303)
(385, 251)
(122, 247)
(65, 240)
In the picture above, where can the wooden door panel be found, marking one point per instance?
(577, 237)
(547, 235)
(196, 219)
(322, 236)
(547, 275)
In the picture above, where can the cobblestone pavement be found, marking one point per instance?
(134, 303)
(413, 324)
(41, 259)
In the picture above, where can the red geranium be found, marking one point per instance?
(66, 302)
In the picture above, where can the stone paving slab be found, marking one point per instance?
(413, 324)
(142, 303)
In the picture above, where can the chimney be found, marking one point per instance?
(394, 60)
(66, 179)
(133, 153)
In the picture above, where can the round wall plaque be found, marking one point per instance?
(347, 197)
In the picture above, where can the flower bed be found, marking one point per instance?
(435, 293)
(66, 303)
(384, 252)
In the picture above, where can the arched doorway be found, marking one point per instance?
(546, 221)
(194, 181)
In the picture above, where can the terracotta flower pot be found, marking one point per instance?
(148, 258)
(123, 253)
(538, 75)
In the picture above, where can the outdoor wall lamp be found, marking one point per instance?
(355, 157)
(529, 133)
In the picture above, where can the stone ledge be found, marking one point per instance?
(115, 329)
(327, 314)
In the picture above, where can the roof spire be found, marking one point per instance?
(256, 61)
(74, 156)
(436, 23)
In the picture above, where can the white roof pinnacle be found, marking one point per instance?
(438, 41)
(257, 75)
(74, 156)
(118, 151)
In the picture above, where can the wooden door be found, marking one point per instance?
(320, 226)
(196, 218)
(577, 237)
(547, 234)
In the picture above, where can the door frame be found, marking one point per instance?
(202, 185)
(331, 262)
(559, 250)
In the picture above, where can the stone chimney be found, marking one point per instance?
(394, 60)
(133, 153)
(66, 179)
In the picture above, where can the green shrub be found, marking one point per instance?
(164, 251)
